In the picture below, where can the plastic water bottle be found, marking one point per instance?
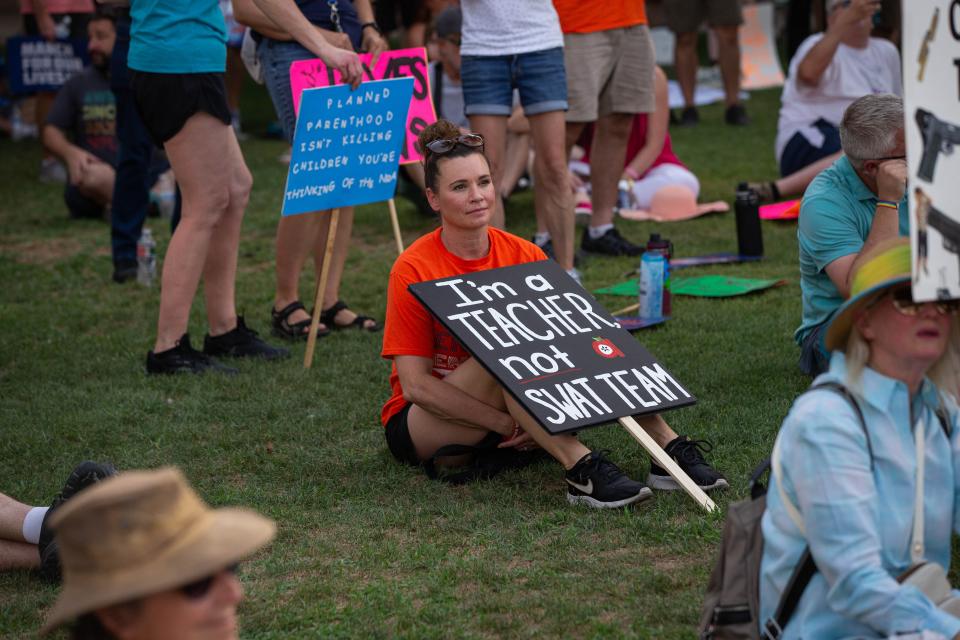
(652, 269)
(656, 244)
(146, 258)
(749, 234)
(625, 194)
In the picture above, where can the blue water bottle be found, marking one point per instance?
(652, 270)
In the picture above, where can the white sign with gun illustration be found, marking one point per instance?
(931, 82)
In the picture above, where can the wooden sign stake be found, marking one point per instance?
(665, 461)
(321, 285)
(396, 224)
(632, 307)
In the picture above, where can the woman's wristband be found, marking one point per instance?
(889, 204)
(372, 25)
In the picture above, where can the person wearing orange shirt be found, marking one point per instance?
(441, 396)
(608, 55)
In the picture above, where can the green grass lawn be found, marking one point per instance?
(366, 547)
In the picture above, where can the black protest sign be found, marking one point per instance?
(551, 345)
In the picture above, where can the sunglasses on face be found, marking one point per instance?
(903, 302)
(446, 145)
(200, 588)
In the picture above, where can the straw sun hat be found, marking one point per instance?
(886, 266)
(140, 533)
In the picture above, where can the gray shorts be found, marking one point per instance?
(686, 16)
(609, 72)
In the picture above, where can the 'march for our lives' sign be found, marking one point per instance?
(34, 64)
(551, 345)
(346, 148)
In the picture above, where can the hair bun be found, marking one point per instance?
(439, 130)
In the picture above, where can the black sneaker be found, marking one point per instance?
(687, 454)
(546, 247)
(611, 243)
(736, 115)
(184, 359)
(242, 342)
(123, 271)
(83, 475)
(598, 483)
(689, 117)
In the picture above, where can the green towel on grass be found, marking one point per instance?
(701, 286)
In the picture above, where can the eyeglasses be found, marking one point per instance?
(446, 145)
(199, 588)
(885, 158)
(902, 299)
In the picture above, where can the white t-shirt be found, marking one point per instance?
(451, 97)
(853, 73)
(508, 27)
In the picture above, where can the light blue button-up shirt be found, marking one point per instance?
(859, 520)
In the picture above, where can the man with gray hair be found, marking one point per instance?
(854, 204)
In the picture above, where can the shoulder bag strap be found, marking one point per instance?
(806, 567)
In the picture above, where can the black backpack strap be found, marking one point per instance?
(806, 567)
(799, 579)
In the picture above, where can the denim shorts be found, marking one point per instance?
(489, 81)
(276, 58)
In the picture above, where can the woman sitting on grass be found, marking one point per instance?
(847, 490)
(661, 187)
(441, 396)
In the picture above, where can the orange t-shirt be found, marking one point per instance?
(588, 16)
(411, 330)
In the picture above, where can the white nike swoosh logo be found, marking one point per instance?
(586, 488)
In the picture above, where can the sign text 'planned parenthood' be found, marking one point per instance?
(551, 345)
(346, 148)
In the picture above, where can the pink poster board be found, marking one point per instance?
(789, 210)
(401, 63)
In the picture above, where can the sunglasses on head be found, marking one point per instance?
(200, 588)
(446, 145)
(902, 299)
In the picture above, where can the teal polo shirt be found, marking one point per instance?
(835, 218)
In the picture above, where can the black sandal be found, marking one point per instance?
(360, 322)
(294, 331)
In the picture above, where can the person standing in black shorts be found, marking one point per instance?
(177, 61)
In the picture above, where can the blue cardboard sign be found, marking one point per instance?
(346, 148)
(35, 64)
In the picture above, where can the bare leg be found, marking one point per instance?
(686, 63)
(97, 182)
(515, 162)
(207, 161)
(728, 41)
(553, 200)
(657, 428)
(430, 432)
(796, 183)
(494, 132)
(607, 158)
(12, 514)
(341, 247)
(18, 555)
(297, 236)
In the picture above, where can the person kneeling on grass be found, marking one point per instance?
(144, 557)
(441, 396)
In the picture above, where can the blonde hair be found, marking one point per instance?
(945, 372)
